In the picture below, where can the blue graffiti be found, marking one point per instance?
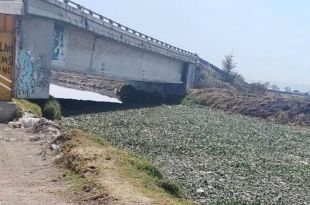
(25, 75)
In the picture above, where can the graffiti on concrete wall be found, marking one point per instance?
(25, 75)
(32, 74)
(32, 63)
(41, 72)
(59, 46)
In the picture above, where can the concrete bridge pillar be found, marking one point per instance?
(163, 92)
(190, 77)
(34, 40)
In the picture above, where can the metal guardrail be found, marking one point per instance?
(125, 28)
(206, 65)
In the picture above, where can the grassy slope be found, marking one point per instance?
(231, 157)
(26, 106)
(282, 108)
(108, 175)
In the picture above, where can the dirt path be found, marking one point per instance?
(24, 177)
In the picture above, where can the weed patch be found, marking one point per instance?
(52, 110)
(26, 106)
(144, 165)
(172, 188)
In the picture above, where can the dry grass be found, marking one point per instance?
(110, 176)
(210, 79)
(283, 109)
(26, 106)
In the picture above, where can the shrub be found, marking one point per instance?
(258, 88)
(172, 188)
(282, 117)
(52, 110)
(237, 76)
(19, 113)
(210, 79)
(26, 106)
(149, 169)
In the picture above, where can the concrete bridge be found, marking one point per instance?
(39, 37)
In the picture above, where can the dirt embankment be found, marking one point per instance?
(107, 175)
(284, 109)
(39, 165)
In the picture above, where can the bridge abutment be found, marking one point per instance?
(160, 92)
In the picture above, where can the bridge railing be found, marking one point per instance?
(206, 65)
(125, 28)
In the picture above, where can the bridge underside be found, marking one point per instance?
(127, 91)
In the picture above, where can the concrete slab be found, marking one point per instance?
(13, 7)
(7, 111)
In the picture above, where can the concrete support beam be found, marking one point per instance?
(13, 7)
(191, 74)
(7, 111)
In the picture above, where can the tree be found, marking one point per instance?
(275, 88)
(258, 88)
(266, 85)
(228, 64)
(228, 67)
(288, 89)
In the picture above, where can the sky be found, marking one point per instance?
(270, 39)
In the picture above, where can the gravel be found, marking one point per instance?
(217, 158)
